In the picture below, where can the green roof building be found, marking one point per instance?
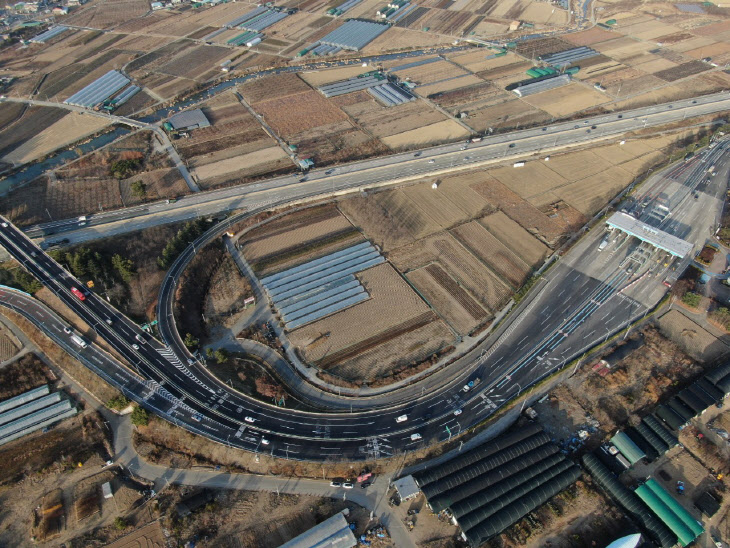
(679, 520)
(628, 448)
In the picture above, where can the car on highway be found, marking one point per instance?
(197, 417)
(335, 484)
(417, 154)
(135, 346)
(264, 441)
(432, 161)
(191, 361)
(347, 485)
(109, 321)
(67, 330)
(402, 418)
(458, 412)
(415, 437)
(512, 145)
(249, 419)
(593, 127)
(620, 116)
(5, 225)
(139, 338)
(78, 294)
(329, 172)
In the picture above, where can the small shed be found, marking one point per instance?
(407, 488)
(106, 490)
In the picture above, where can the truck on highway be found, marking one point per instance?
(476, 139)
(603, 243)
(78, 341)
(471, 384)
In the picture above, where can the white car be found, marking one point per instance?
(264, 441)
(249, 419)
(457, 412)
(135, 346)
(402, 418)
(432, 161)
(5, 225)
(415, 437)
(67, 330)
(347, 485)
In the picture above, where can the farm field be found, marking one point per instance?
(567, 100)
(233, 147)
(87, 184)
(67, 130)
(32, 122)
(297, 237)
(392, 304)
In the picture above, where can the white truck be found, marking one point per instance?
(603, 243)
(78, 341)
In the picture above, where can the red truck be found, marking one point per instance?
(363, 477)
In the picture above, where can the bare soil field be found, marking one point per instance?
(196, 63)
(548, 229)
(590, 194)
(589, 37)
(534, 178)
(384, 122)
(471, 98)
(432, 72)
(149, 536)
(9, 113)
(108, 14)
(31, 123)
(449, 85)
(71, 128)
(509, 114)
(567, 100)
(392, 303)
(317, 78)
(451, 301)
(439, 132)
(298, 112)
(273, 87)
(66, 199)
(500, 259)
(276, 242)
(531, 250)
(269, 158)
(468, 270)
(397, 357)
(693, 339)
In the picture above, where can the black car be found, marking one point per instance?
(512, 145)
(365, 484)
(329, 172)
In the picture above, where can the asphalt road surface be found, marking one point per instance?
(586, 297)
(364, 174)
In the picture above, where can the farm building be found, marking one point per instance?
(354, 35)
(50, 33)
(334, 531)
(542, 85)
(364, 81)
(321, 287)
(32, 411)
(490, 487)
(390, 95)
(565, 58)
(99, 90)
(189, 119)
(634, 506)
(407, 488)
(674, 516)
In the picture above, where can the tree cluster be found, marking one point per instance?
(186, 235)
(19, 279)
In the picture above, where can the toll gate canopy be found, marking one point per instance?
(649, 234)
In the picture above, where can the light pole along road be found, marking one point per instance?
(550, 330)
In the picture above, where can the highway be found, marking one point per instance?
(586, 297)
(379, 171)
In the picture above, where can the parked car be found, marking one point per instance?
(347, 485)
